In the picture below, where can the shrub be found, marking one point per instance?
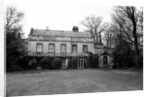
(124, 56)
(92, 60)
(46, 63)
(23, 63)
(73, 62)
(35, 62)
(57, 63)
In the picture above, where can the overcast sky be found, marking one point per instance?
(59, 14)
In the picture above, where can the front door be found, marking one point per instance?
(105, 60)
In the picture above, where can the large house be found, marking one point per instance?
(65, 45)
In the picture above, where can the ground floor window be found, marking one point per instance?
(81, 63)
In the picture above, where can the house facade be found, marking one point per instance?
(62, 44)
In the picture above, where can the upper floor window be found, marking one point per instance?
(51, 48)
(85, 48)
(63, 48)
(74, 48)
(39, 47)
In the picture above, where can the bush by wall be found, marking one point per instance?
(92, 60)
(57, 63)
(124, 56)
(46, 63)
(73, 62)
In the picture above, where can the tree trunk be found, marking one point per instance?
(136, 43)
(100, 40)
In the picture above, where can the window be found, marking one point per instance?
(39, 47)
(63, 48)
(85, 48)
(51, 48)
(74, 48)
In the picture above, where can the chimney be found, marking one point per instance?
(75, 29)
(47, 28)
(31, 31)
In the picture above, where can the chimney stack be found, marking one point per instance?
(31, 31)
(47, 28)
(75, 29)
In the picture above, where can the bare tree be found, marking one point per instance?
(95, 26)
(13, 18)
(127, 20)
(110, 36)
(13, 31)
(140, 26)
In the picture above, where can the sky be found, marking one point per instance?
(60, 14)
(57, 14)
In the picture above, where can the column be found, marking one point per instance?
(66, 63)
(84, 62)
(80, 63)
(100, 63)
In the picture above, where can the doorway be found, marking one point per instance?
(81, 63)
(105, 60)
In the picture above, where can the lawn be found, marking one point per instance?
(45, 82)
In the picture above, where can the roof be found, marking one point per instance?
(105, 53)
(59, 33)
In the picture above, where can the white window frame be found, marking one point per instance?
(65, 48)
(85, 46)
(52, 49)
(76, 48)
(39, 47)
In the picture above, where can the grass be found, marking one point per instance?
(46, 82)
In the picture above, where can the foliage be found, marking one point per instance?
(110, 36)
(31, 63)
(94, 26)
(23, 63)
(73, 63)
(14, 43)
(127, 22)
(46, 63)
(92, 60)
(124, 56)
(126, 29)
(57, 63)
